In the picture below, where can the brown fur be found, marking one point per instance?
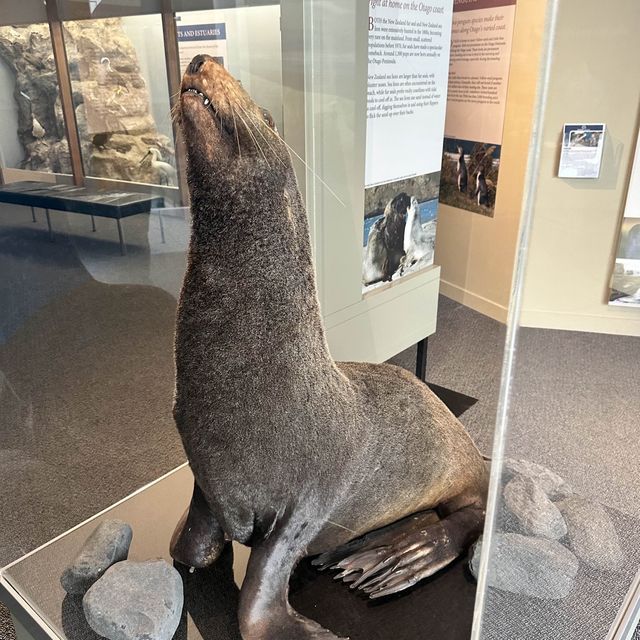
(293, 452)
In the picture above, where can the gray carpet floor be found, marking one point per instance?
(86, 380)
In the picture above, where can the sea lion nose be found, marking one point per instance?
(196, 63)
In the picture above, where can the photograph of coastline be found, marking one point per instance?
(399, 229)
(470, 175)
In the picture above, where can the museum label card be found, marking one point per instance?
(582, 146)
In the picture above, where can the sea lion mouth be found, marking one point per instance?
(211, 107)
(205, 99)
(221, 122)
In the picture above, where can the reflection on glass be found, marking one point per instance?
(121, 98)
(32, 131)
(246, 41)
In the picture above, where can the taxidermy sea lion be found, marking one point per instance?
(293, 453)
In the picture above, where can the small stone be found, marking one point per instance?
(528, 566)
(591, 534)
(136, 601)
(109, 543)
(551, 483)
(535, 513)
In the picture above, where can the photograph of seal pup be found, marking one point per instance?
(482, 192)
(463, 175)
(395, 218)
(374, 268)
(294, 454)
(417, 243)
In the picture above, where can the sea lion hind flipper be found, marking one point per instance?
(198, 539)
(416, 549)
(385, 536)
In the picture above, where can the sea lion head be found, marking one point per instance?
(229, 138)
(396, 209)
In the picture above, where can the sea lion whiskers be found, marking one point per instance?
(235, 126)
(175, 112)
(252, 120)
(255, 140)
(268, 143)
(306, 165)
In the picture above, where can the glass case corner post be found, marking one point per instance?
(513, 320)
(66, 92)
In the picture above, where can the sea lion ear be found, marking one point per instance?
(268, 118)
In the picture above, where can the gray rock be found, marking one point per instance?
(551, 483)
(535, 513)
(591, 534)
(136, 601)
(108, 544)
(528, 566)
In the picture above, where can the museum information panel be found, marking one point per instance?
(406, 104)
(481, 41)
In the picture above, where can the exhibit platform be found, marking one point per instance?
(440, 607)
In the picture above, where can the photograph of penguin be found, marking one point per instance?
(482, 191)
(463, 174)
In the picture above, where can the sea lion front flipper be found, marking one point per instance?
(198, 539)
(412, 552)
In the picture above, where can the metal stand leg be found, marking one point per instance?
(123, 249)
(33, 215)
(49, 225)
(421, 359)
(93, 224)
(162, 229)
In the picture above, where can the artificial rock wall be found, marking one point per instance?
(110, 95)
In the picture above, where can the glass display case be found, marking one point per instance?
(152, 240)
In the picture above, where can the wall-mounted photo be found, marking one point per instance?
(625, 283)
(399, 229)
(470, 175)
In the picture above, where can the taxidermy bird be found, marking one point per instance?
(37, 130)
(101, 139)
(167, 172)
